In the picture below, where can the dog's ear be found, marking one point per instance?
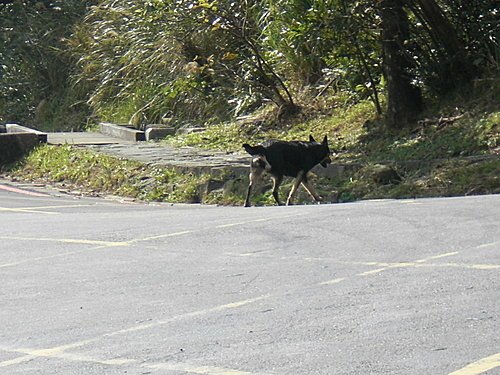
(325, 140)
(311, 138)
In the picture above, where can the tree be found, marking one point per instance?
(456, 67)
(404, 99)
(211, 60)
(35, 88)
(240, 25)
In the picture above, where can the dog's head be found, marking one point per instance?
(260, 162)
(322, 151)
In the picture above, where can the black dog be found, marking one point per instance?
(281, 158)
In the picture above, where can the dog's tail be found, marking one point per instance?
(255, 150)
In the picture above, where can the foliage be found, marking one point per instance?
(207, 61)
(353, 133)
(203, 62)
(473, 128)
(35, 68)
(476, 27)
(136, 66)
(473, 136)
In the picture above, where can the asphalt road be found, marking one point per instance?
(89, 286)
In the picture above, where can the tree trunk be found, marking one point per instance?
(404, 100)
(353, 36)
(458, 67)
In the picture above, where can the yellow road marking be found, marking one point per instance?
(106, 244)
(488, 245)
(430, 265)
(17, 360)
(60, 351)
(464, 265)
(54, 206)
(184, 367)
(250, 222)
(383, 266)
(235, 305)
(78, 357)
(258, 220)
(251, 253)
(421, 265)
(231, 224)
(480, 366)
(333, 281)
(141, 327)
(427, 265)
(372, 272)
(42, 258)
(99, 244)
(26, 210)
(437, 257)
(52, 256)
(406, 264)
(390, 266)
(166, 235)
(119, 361)
(68, 240)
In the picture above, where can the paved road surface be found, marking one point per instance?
(382, 287)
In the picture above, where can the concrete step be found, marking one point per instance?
(125, 132)
(83, 138)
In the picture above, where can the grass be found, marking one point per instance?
(96, 173)
(346, 126)
(357, 134)
(466, 124)
(453, 177)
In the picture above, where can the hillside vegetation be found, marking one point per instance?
(389, 81)
(452, 154)
(68, 64)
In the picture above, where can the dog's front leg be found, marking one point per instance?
(277, 180)
(296, 183)
(311, 190)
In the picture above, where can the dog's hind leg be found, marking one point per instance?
(296, 183)
(277, 180)
(255, 176)
(247, 199)
(311, 190)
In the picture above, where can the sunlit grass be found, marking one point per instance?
(93, 172)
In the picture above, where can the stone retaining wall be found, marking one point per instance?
(14, 145)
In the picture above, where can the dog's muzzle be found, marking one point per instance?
(324, 163)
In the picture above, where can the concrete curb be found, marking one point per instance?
(80, 139)
(125, 132)
(16, 128)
